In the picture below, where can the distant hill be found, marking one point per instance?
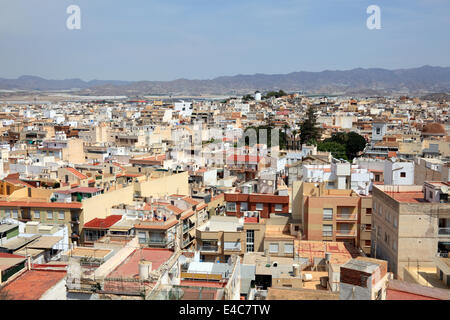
(437, 97)
(41, 84)
(359, 81)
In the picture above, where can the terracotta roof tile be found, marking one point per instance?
(102, 223)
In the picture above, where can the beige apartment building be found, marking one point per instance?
(335, 215)
(223, 236)
(410, 225)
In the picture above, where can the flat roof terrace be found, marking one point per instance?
(129, 268)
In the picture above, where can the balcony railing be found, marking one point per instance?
(444, 231)
(237, 168)
(188, 227)
(345, 233)
(187, 241)
(209, 248)
(154, 242)
(234, 248)
(347, 217)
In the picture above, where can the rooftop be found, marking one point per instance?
(340, 252)
(106, 223)
(129, 268)
(32, 284)
(300, 294)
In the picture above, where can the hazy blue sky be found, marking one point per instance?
(202, 39)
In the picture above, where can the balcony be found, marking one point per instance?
(187, 241)
(444, 232)
(346, 217)
(188, 227)
(241, 169)
(209, 248)
(155, 242)
(345, 233)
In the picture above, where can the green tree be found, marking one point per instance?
(352, 141)
(308, 128)
(355, 144)
(337, 150)
(248, 97)
(275, 94)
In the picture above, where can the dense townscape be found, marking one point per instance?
(270, 195)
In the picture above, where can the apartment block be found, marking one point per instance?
(410, 225)
(335, 215)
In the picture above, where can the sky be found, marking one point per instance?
(203, 39)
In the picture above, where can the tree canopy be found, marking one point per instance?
(276, 94)
(352, 142)
(309, 131)
(337, 150)
(248, 97)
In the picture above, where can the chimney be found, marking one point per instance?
(29, 262)
(145, 267)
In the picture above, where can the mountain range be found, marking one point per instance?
(373, 81)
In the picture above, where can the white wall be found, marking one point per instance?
(393, 170)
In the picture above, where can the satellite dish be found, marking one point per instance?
(444, 189)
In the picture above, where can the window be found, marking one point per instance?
(278, 207)
(374, 206)
(49, 215)
(7, 213)
(394, 245)
(250, 240)
(232, 245)
(327, 214)
(259, 206)
(403, 174)
(367, 243)
(345, 211)
(369, 211)
(37, 214)
(296, 228)
(377, 177)
(61, 215)
(244, 206)
(378, 130)
(327, 230)
(386, 238)
(142, 237)
(15, 214)
(231, 206)
(288, 248)
(395, 222)
(273, 248)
